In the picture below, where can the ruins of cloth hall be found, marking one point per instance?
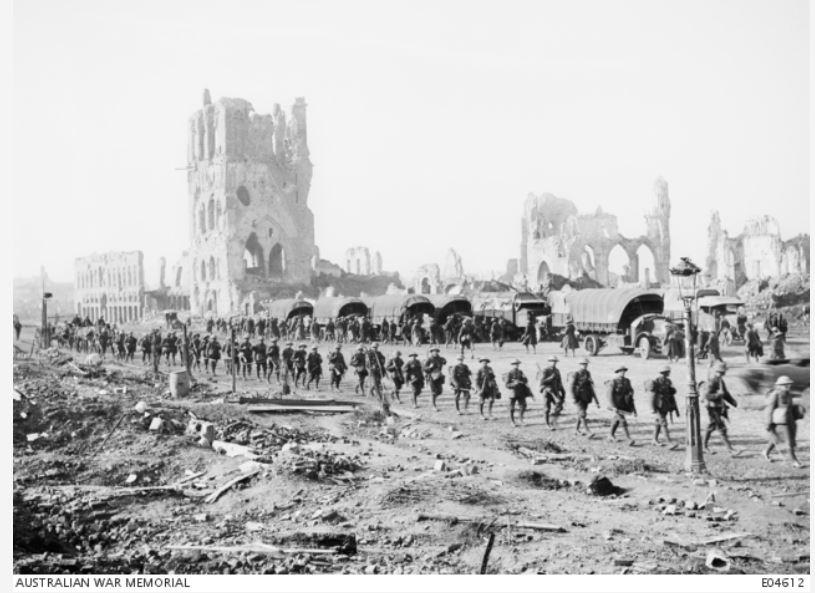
(557, 239)
(249, 177)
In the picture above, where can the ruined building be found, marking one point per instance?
(358, 260)
(173, 293)
(757, 253)
(434, 279)
(110, 285)
(556, 239)
(248, 180)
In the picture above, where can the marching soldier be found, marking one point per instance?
(718, 397)
(375, 363)
(777, 342)
(781, 410)
(519, 384)
(314, 365)
(621, 401)
(530, 336)
(245, 357)
(551, 387)
(358, 362)
(287, 361)
(273, 361)
(465, 337)
(213, 353)
(496, 335)
(130, 346)
(752, 343)
(663, 402)
(462, 383)
(336, 366)
(569, 341)
(582, 387)
(487, 387)
(146, 345)
(433, 368)
(299, 359)
(259, 354)
(414, 376)
(394, 367)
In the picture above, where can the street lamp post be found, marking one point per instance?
(685, 274)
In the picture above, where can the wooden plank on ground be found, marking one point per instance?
(282, 409)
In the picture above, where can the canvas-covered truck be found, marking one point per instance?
(630, 319)
(447, 305)
(514, 308)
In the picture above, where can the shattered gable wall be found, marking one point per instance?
(110, 285)
(757, 253)
(556, 239)
(359, 261)
(249, 179)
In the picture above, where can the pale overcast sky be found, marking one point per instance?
(429, 122)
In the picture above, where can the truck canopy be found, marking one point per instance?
(447, 305)
(288, 308)
(397, 305)
(332, 307)
(608, 309)
(719, 302)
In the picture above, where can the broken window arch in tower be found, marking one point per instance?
(253, 256)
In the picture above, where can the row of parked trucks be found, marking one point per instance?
(629, 319)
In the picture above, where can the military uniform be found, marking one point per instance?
(358, 362)
(551, 386)
(621, 401)
(433, 368)
(414, 376)
(394, 367)
(272, 360)
(299, 359)
(337, 368)
(583, 394)
(519, 384)
(245, 357)
(259, 354)
(663, 403)
(314, 365)
(462, 384)
(780, 398)
(717, 397)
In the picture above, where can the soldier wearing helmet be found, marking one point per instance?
(717, 397)
(663, 402)
(780, 410)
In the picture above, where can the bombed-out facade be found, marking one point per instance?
(556, 239)
(110, 285)
(249, 177)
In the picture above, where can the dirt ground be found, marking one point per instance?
(353, 493)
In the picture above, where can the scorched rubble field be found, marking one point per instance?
(100, 487)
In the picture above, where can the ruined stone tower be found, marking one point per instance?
(249, 177)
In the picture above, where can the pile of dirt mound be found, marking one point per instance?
(791, 291)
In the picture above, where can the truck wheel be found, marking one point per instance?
(644, 348)
(590, 345)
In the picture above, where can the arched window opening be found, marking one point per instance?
(425, 284)
(253, 256)
(243, 195)
(211, 214)
(543, 271)
(211, 270)
(203, 271)
(277, 261)
(202, 222)
(645, 265)
(619, 266)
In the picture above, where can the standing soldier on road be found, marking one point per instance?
(156, 349)
(315, 330)
(146, 345)
(530, 336)
(582, 387)
(777, 342)
(358, 362)
(621, 401)
(569, 341)
(496, 335)
(314, 364)
(259, 354)
(273, 361)
(551, 387)
(375, 363)
(663, 402)
(245, 358)
(718, 397)
(394, 367)
(131, 346)
(414, 376)
(287, 361)
(487, 387)
(213, 353)
(781, 410)
(336, 366)
(462, 383)
(465, 337)
(753, 348)
(741, 323)
(329, 330)
(433, 368)
(299, 358)
(519, 384)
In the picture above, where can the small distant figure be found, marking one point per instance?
(487, 388)
(519, 384)
(569, 341)
(621, 401)
(17, 328)
(663, 402)
(753, 348)
(777, 343)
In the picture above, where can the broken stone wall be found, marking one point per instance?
(557, 240)
(249, 178)
(110, 285)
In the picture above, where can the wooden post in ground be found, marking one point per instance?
(233, 351)
(485, 560)
(187, 361)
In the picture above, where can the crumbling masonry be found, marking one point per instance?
(555, 239)
(757, 253)
(248, 178)
(110, 285)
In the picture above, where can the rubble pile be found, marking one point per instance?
(789, 292)
(314, 462)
